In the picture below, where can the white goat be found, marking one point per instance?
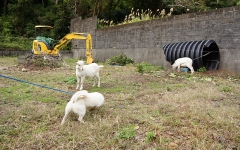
(82, 71)
(81, 101)
(183, 62)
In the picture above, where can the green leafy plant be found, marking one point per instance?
(169, 88)
(70, 80)
(126, 133)
(203, 69)
(172, 75)
(120, 60)
(140, 68)
(150, 136)
(225, 89)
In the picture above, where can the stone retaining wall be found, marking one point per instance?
(143, 41)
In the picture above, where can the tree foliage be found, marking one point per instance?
(18, 17)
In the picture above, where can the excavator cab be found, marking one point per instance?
(41, 30)
(43, 45)
(42, 33)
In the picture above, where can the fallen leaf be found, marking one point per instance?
(172, 145)
(137, 127)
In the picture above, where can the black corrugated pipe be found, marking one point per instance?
(203, 53)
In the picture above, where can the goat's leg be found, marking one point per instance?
(191, 68)
(173, 68)
(98, 79)
(179, 67)
(81, 83)
(94, 81)
(78, 83)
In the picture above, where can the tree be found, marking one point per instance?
(213, 4)
(18, 17)
(184, 6)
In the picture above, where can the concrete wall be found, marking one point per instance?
(143, 41)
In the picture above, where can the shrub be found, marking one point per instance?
(120, 60)
(140, 68)
(203, 69)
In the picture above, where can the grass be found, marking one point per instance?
(137, 16)
(149, 110)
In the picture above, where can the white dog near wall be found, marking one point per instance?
(81, 101)
(183, 62)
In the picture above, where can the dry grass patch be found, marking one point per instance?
(150, 110)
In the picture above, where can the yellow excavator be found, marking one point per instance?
(48, 46)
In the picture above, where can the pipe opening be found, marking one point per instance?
(203, 53)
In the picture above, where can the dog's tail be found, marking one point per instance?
(101, 66)
(81, 97)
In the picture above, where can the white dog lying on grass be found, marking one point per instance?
(81, 101)
(183, 62)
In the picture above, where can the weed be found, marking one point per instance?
(150, 136)
(70, 80)
(126, 133)
(226, 89)
(172, 75)
(140, 68)
(148, 68)
(169, 88)
(203, 69)
(230, 78)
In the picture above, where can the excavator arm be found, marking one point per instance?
(42, 46)
(47, 46)
(81, 36)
